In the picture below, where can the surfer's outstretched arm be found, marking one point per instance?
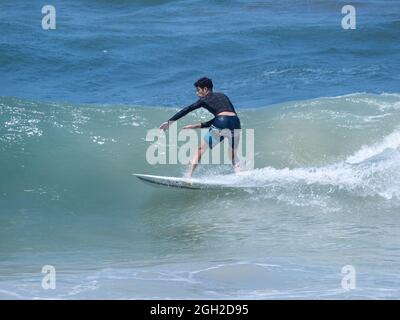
(181, 113)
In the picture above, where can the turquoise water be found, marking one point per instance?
(76, 104)
(325, 194)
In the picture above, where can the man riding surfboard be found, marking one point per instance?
(225, 121)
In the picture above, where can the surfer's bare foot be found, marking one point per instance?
(188, 175)
(236, 167)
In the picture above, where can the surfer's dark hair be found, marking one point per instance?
(204, 83)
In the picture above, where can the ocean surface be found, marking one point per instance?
(77, 102)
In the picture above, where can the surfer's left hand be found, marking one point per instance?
(164, 126)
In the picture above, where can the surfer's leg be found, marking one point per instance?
(233, 147)
(196, 158)
(211, 138)
(229, 127)
(234, 158)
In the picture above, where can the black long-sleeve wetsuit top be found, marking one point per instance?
(214, 102)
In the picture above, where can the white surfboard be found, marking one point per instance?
(187, 183)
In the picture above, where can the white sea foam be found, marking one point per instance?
(391, 141)
(374, 170)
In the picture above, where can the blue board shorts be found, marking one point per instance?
(221, 128)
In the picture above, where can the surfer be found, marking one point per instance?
(225, 124)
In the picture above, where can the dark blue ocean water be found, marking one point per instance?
(150, 52)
